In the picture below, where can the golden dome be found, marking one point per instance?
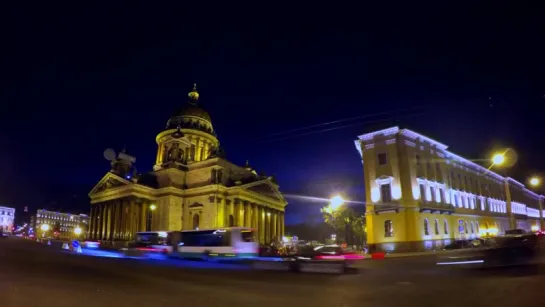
(193, 95)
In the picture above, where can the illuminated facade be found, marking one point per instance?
(7, 216)
(421, 196)
(191, 186)
(60, 225)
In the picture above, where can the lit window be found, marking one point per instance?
(432, 192)
(386, 193)
(422, 191)
(388, 229)
(382, 159)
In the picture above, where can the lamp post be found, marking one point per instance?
(44, 228)
(499, 159)
(536, 183)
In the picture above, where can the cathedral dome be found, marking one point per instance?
(191, 115)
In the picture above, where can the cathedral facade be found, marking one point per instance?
(192, 186)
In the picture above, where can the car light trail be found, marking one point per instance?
(461, 262)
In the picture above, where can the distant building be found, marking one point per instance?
(420, 196)
(192, 186)
(7, 217)
(60, 225)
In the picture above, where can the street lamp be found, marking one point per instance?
(498, 159)
(44, 227)
(152, 207)
(77, 231)
(535, 181)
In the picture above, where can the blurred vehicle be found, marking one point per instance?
(226, 243)
(461, 244)
(230, 243)
(522, 249)
(2, 234)
(91, 244)
(328, 252)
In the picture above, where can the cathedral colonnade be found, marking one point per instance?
(268, 222)
(120, 219)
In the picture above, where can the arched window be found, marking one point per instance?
(472, 228)
(446, 226)
(466, 228)
(426, 228)
(388, 228)
(436, 227)
(231, 220)
(196, 221)
(461, 226)
(477, 228)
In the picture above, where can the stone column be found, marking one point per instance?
(143, 207)
(274, 216)
(254, 216)
(282, 224)
(130, 220)
(115, 231)
(197, 149)
(220, 211)
(247, 214)
(123, 222)
(112, 221)
(236, 212)
(104, 222)
(260, 224)
(266, 225)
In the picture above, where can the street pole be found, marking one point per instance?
(541, 223)
(510, 216)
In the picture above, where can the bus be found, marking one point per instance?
(208, 244)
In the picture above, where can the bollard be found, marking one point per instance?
(78, 250)
(65, 246)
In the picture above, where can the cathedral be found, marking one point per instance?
(192, 186)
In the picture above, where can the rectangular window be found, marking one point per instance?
(388, 229)
(422, 192)
(386, 193)
(441, 197)
(432, 192)
(382, 159)
(417, 157)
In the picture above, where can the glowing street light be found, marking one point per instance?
(44, 227)
(152, 207)
(498, 159)
(336, 202)
(535, 181)
(77, 231)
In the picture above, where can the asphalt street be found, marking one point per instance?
(32, 274)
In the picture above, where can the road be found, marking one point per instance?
(32, 274)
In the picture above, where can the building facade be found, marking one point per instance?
(420, 196)
(7, 218)
(192, 186)
(60, 225)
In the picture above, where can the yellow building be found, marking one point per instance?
(191, 186)
(420, 196)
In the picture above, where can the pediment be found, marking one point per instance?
(265, 188)
(109, 181)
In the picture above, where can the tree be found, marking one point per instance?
(347, 224)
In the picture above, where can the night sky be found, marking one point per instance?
(76, 81)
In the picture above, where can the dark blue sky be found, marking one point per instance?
(75, 82)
